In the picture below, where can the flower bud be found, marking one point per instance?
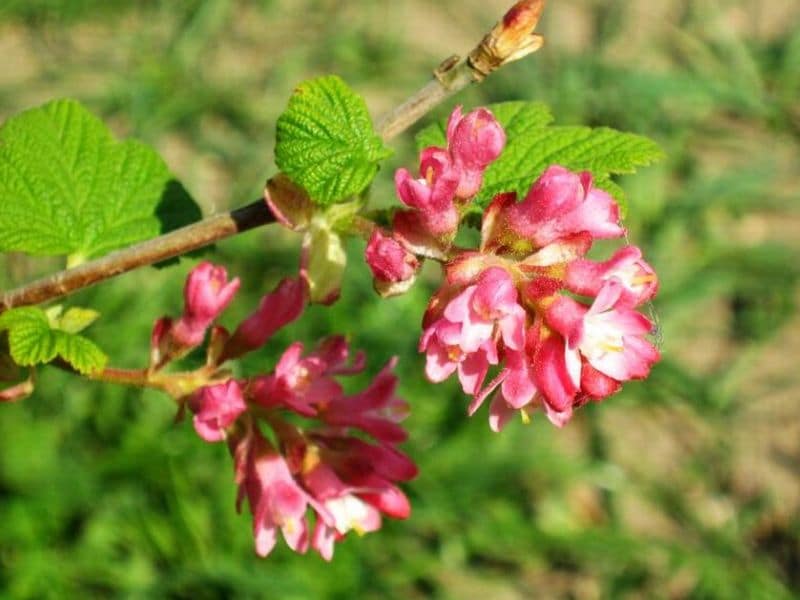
(393, 267)
(278, 308)
(215, 408)
(511, 39)
(206, 294)
(474, 141)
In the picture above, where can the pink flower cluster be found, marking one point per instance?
(449, 178)
(556, 328)
(341, 468)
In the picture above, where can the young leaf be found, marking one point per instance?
(83, 354)
(67, 187)
(33, 341)
(75, 319)
(29, 337)
(325, 141)
(533, 144)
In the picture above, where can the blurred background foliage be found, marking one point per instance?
(685, 486)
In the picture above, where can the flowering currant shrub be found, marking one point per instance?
(529, 319)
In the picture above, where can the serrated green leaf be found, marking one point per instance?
(83, 354)
(67, 187)
(326, 142)
(32, 341)
(76, 319)
(533, 144)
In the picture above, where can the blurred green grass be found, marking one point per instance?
(685, 486)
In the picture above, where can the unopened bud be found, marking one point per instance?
(511, 39)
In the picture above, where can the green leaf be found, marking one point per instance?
(326, 142)
(29, 336)
(84, 356)
(75, 319)
(533, 144)
(67, 187)
(33, 340)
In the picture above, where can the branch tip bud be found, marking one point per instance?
(511, 39)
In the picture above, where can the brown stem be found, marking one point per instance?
(510, 39)
(175, 243)
(178, 385)
(132, 377)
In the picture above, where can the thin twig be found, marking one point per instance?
(511, 39)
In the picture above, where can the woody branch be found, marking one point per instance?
(510, 39)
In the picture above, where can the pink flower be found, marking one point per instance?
(474, 141)
(393, 267)
(464, 338)
(278, 308)
(543, 373)
(298, 383)
(302, 384)
(562, 203)
(348, 511)
(352, 480)
(609, 334)
(499, 235)
(447, 176)
(206, 294)
(444, 356)
(376, 410)
(276, 500)
(638, 279)
(432, 195)
(369, 470)
(216, 407)
(557, 375)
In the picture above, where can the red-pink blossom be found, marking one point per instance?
(276, 500)
(432, 195)
(298, 383)
(206, 294)
(542, 374)
(304, 383)
(474, 141)
(348, 511)
(609, 334)
(351, 480)
(627, 266)
(464, 337)
(370, 471)
(447, 176)
(393, 266)
(562, 203)
(215, 408)
(347, 481)
(376, 410)
(276, 309)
